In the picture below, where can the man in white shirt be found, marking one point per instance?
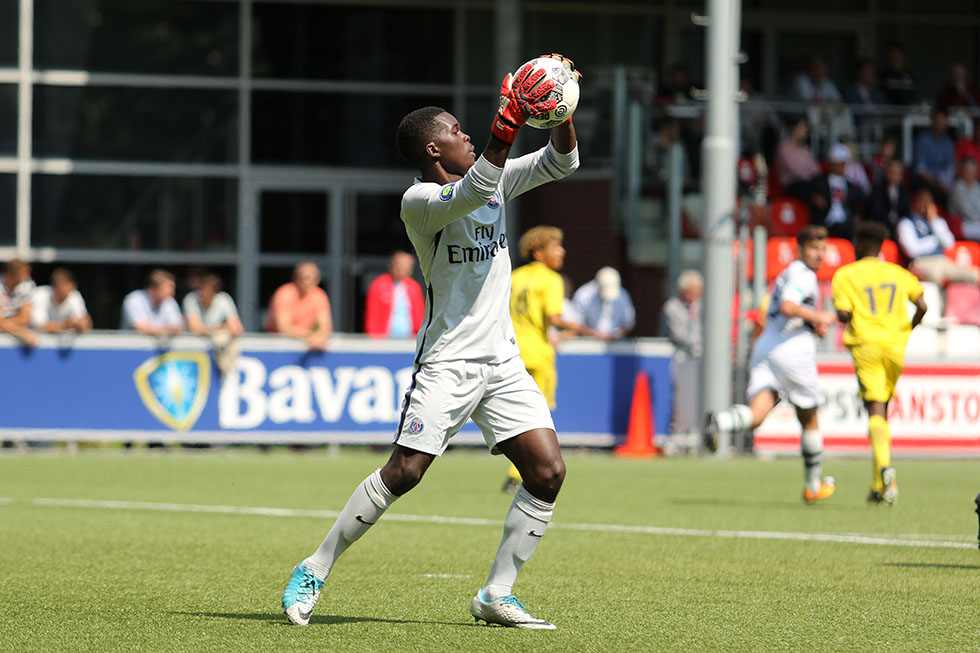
(784, 361)
(153, 310)
(924, 236)
(60, 307)
(15, 301)
(212, 313)
(965, 201)
(467, 363)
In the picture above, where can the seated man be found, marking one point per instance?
(835, 201)
(924, 236)
(60, 307)
(935, 159)
(15, 302)
(211, 312)
(604, 306)
(301, 308)
(394, 304)
(153, 310)
(966, 199)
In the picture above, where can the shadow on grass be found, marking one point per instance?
(934, 565)
(329, 619)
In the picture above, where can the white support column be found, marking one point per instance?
(718, 187)
(25, 121)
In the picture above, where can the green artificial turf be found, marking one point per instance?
(102, 579)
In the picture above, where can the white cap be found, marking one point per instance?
(609, 283)
(839, 153)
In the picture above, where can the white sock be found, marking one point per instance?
(523, 528)
(812, 448)
(363, 509)
(736, 418)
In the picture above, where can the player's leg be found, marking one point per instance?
(881, 470)
(546, 378)
(365, 506)
(743, 417)
(877, 370)
(816, 487)
(515, 420)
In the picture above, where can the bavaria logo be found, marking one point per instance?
(446, 193)
(174, 387)
(494, 202)
(415, 426)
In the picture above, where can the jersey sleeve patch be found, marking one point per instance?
(446, 193)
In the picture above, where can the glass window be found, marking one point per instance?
(143, 124)
(378, 227)
(293, 222)
(331, 129)
(149, 36)
(352, 43)
(134, 213)
(8, 119)
(9, 31)
(8, 209)
(595, 40)
(479, 49)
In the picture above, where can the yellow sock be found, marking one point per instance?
(881, 442)
(514, 474)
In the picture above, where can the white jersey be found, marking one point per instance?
(459, 234)
(797, 284)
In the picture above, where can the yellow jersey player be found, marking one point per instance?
(537, 297)
(871, 297)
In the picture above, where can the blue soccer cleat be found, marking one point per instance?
(301, 595)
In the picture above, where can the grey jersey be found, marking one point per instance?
(798, 284)
(460, 236)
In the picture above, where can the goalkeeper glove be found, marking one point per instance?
(519, 100)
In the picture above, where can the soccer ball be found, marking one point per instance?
(565, 93)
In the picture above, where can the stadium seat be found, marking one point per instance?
(933, 295)
(889, 252)
(963, 303)
(924, 342)
(965, 252)
(955, 224)
(839, 252)
(780, 252)
(787, 215)
(962, 340)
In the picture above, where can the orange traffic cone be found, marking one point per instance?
(639, 432)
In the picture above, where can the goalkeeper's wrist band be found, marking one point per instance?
(504, 129)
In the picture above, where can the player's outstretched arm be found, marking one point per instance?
(920, 310)
(519, 100)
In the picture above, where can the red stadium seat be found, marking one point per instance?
(955, 224)
(839, 252)
(889, 252)
(965, 253)
(780, 252)
(747, 175)
(787, 216)
(963, 303)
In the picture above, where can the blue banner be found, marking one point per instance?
(124, 386)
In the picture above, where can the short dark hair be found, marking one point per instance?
(158, 277)
(213, 281)
(415, 131)
(810, 233)
(868, 237)
(62, 274)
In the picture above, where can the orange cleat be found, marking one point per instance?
(826, 489)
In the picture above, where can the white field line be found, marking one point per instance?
(840, 538)
(6, 501)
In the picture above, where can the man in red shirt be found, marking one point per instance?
(395, 305)
(301, 308)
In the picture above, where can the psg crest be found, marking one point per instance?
(174, 387)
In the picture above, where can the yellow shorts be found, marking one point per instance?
(878, 368)
(547, 379)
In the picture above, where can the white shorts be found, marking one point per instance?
(502, 400)
(792, 375)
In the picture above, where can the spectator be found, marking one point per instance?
(394, 305)
(211, 312)
(965, 201)
(924, 236)
(153, 310)
(935, 163)
(796, 168)
(887, 150)
(60, 307)
(890, 197)
(855, 173)
(897, 83)
(957, 93)
(681, 319)
(677, 88)
(969, 148)
(604, 306)
(301, 308)
(863, 91)
(814, 86)
(15, 301)
(835, 201)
